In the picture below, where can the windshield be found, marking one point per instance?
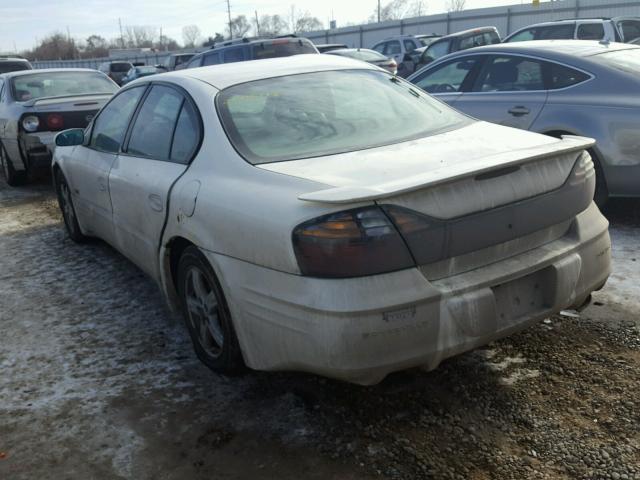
(625, 60)
(323, 113)
(281, 48)
(60, 84)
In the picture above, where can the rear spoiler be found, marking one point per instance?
(84, 97)
(448, 173)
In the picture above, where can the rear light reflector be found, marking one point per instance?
(352, 243)
(55, 121)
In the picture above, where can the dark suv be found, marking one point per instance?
(476, 37)
(13, 64)
(252, 49)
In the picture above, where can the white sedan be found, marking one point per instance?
(317, 213)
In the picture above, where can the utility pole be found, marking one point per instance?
(378, 11)
(229, 13)
(121, 35)
(161, 39)
(257, 24)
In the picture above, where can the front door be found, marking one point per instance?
(88, 165)
(509, 90)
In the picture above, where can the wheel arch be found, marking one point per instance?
(170, 257)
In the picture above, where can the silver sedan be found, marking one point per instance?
(557, 88)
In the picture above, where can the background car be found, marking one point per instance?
(327, 47)
(555, 87)
(176, 61)
(369, 56)
(317, 213)
(617, 29)
(13, 64)
(35, 105)
(138, 72)
(464, 40)
(401, 48)
(116, 71)
(244, 49)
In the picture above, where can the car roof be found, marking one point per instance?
(227, 74)
(579, 48)
(47, 70)
(467, 32)
(13, 59)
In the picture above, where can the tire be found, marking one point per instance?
(207, 315)
(12, 177)
(65, 202)
(601, 196)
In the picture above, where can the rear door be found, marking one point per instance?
(509, 90)
(87, 167)
(161, 142)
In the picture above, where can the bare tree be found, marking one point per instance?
(240, 26)
(272, 25)
(306, 23)
(190, 35)
(456, 5)
(137, 36)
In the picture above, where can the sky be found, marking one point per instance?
(23, 22)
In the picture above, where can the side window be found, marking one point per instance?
(153, 128)
(437, 50)
(234, 55)
(409, 46)
(448, 77)
(630, 29)
(590, 31)
(196, 62)
(477, 40)
(379, 47)
(185, 138)
(392, 48)
(491, 38)
(211, 59)
(555, 32)
(560, 76)
(523, 36)
(510, 74)
(111, 125)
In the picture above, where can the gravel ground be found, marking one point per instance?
(99, 381)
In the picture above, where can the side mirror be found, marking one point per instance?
(70, 138)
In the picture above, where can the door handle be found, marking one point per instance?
(519, 111)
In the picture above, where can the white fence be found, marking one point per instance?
(506, 19)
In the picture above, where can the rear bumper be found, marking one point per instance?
(361, 329)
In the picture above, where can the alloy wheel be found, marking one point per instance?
(204, 311)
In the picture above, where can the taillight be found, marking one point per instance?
(424, 236)
(55, 121)
(352, 243)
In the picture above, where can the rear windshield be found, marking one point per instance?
(281, 48)
(6, 67)
(120, 67)
(364, 55)
(323, 113)
(59, 84)
(624, 60)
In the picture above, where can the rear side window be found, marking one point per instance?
(476, 40)
(153, 128)
(590, 31)
(562, 77)
(547, 32)
(510, 74)
(233, 55)
(211, 59)
(111, 125)
(447, 78)
(185, 139)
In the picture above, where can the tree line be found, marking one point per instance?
(58, 46)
